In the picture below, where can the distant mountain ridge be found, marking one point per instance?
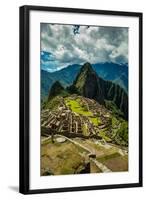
(65, 76)
(118, 73)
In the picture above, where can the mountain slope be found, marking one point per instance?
(89, 85)
(64, 76)
(46, 83)
(117, 73)
(56, 90)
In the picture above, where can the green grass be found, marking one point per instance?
(123, 132)
(75, 106)
(61, 158)
(115, 122)
(46, 141)
(110, 105)
(52, 104)
(94, 120)
(104, 136)
(85, 129)
(107, 157)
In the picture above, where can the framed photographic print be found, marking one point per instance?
(80, 99)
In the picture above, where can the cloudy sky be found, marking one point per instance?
(63, 45)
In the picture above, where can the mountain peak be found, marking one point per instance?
(87, 83)
(90, 85)
(85, 71)
(56, 89)
(57, 84)
(87, 67)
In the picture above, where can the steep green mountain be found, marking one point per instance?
(57, 89)
(117, 73)
(89, 85)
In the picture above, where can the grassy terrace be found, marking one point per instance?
(77, 107)
(61, 158)
(115, 162)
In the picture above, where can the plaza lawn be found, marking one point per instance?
(94, 120)
(61, 158)
(75, 106)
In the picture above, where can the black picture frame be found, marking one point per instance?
(24, 98)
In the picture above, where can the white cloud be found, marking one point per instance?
(91, 44)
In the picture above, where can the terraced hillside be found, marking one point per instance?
(89, 135)
(79, 116)
(84, 127)
(77, 155)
